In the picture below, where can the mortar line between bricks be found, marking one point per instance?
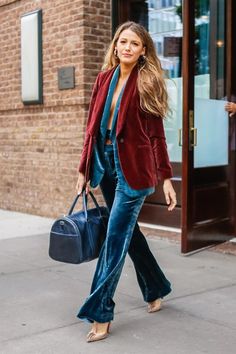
(44, 108)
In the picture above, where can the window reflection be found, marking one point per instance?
(210, 119)
(166, 29)
(163, 19)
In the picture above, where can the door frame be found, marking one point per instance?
(121, 13)
(188, 106)
(215, 233)
(231, 92)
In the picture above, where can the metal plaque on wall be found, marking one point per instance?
(66, 78)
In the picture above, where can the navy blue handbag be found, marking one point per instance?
(78, 237)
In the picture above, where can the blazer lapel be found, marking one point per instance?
(126, 98)
(97, 109)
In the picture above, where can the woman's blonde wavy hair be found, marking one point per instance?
(151, 83)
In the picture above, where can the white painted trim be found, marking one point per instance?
(159, 227)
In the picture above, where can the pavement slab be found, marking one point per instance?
(39, 300)
(14, 224)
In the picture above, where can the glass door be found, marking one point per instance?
(163, 20)
(165, 25)
(206, 183)
(191, 38)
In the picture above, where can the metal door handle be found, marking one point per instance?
(192, 130)
(180, 137)
(193, 137)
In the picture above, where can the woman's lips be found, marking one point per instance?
(127, 55)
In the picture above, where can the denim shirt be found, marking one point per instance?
(97, 165)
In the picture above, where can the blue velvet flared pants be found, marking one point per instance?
(123, 235)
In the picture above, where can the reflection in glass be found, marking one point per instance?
(166, 29)
(164, 23)
(211, 119)
(163, 19)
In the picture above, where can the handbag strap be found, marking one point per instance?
(96, 204)
(85, 202)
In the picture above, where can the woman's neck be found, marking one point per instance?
(125, 70)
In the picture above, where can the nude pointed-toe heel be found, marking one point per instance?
(154, 306)
(93, 336)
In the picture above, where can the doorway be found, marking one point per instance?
(208, 171)
(191, 38)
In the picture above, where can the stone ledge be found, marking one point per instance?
(228, 247)
(161, 234)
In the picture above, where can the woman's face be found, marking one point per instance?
(129, 47)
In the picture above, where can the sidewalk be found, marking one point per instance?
(40, 298)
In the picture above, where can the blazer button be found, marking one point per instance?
(121, 140)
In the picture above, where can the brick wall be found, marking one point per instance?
(40, 145)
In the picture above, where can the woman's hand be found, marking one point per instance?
(81, 183)
(230, 107)
(170, 194)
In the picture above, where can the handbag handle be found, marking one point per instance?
(85, 203)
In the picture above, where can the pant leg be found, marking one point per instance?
(99, 306)
(151, 279)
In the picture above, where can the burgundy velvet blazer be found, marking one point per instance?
(140, 136)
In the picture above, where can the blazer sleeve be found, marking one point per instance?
(83, 160)
(158, 142)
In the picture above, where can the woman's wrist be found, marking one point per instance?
(167, 180)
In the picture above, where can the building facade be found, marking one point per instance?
(41, 143)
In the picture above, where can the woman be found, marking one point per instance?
(125, 153)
